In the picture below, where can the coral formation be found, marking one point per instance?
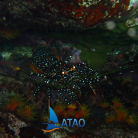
(132, 119)
(13, 103)
(110, 118)
(71, 107)
(83, 112)
(71, 111)
(104, 104)
(117, 103)
(59, 109)
(91, 13)
(121, 114)
(9, 34)
(18, 104)
(28, 112)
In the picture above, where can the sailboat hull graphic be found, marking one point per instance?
(54, 119)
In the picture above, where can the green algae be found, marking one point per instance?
(95, 46)
(94, 59)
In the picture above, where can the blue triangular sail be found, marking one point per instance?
(53, 118)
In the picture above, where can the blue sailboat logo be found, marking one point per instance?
(51, 125)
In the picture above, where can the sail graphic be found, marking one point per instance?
(51, 126)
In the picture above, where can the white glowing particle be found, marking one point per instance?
(110, 25)
(131, 32)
